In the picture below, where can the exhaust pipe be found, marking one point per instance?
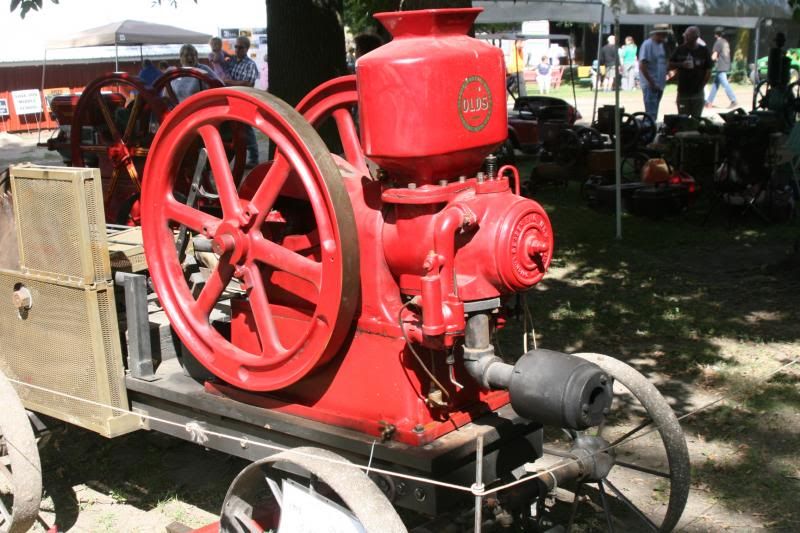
(545, 386)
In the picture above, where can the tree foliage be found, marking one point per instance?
(358, 13)
(27, 5)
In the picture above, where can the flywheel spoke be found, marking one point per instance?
(134, 116)
(277, 256)
(112, 186)
(270, 187)
(214, 287)
(223, 177)
(130, 168)
(112, 128)
(262, 313)
(192, 218)
(631, 506)
(349, 137)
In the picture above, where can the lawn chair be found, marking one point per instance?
(555, 77)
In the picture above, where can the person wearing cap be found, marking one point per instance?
(693, 64)
(653, 68)
(721, 56)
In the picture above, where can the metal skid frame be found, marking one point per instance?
(181, 406)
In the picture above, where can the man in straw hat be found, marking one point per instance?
(653, 68)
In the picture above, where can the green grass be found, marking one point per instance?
(714, 309)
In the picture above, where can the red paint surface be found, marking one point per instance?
(432, 102)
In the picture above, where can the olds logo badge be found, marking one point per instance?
(474, 103)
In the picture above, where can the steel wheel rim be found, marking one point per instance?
(20, 466)
(676, 452)
(301, 150)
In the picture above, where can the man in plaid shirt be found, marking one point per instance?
(243, 71)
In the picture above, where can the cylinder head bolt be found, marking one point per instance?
(560, 390)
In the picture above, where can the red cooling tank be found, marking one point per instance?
(432, 102)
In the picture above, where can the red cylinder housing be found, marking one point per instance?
(432, 102)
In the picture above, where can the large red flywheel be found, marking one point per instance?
(287, 253)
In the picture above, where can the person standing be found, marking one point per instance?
(609, 58)
(693, 63)
(149, 73)
(653, 68)
(243, 72)
(217, 58)
(185, 86)
(543, 75)
(628, 55)
(515, 69)
(721, 56)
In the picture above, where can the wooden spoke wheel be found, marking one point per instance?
(112, 129)
(20, 466)
(257, 496)
(647, 486)
(288, 251)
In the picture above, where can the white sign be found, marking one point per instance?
(4, 107)
(308, 512)
(27, 101)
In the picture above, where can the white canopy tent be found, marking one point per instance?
(129, 33)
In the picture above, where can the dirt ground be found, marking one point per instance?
(706, 319)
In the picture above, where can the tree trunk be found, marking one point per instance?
(305, 41)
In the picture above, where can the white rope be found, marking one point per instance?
(195, 428)
(371, 453)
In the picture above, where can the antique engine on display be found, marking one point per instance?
(363, 291)
(403, 349)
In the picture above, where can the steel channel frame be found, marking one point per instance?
(509, 440)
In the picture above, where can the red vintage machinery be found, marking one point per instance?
(347, 302)
(111, 126)
(366, 288)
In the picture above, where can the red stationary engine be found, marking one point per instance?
(363, 289)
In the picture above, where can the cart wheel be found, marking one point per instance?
(290, 243)
(254, 499)
(760, 95)
(119, 110)
(20, 468)
(647, 488)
